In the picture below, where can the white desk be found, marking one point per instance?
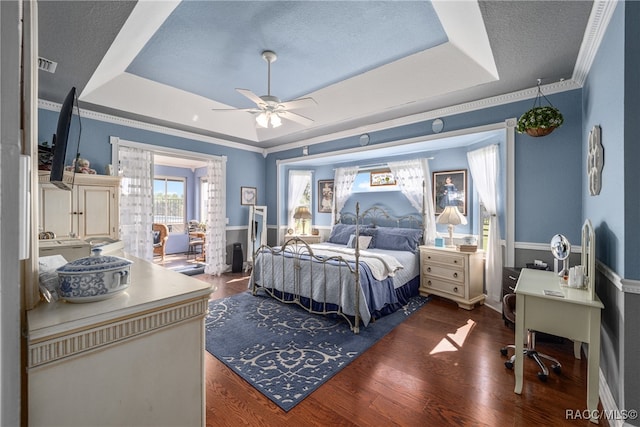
(575, 317)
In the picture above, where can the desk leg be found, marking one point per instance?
(519, 362)
(593, 378)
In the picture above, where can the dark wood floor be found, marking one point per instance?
(442, 366)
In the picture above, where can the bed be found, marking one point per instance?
(368, 268)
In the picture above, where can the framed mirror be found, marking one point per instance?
(256, 231)
(588, 257)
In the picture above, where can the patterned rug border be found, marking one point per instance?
(288, 353)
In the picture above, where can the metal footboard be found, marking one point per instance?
(293, 274)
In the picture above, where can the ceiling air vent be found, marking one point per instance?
(47, 65)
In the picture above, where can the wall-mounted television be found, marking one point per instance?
(60, 139)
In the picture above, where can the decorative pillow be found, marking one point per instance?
(156, 237)
(398, 239)
(340, 233)
(364, 241)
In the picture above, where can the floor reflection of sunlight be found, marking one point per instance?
(239, 279)
(452, 342)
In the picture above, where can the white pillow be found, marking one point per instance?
(363, 241)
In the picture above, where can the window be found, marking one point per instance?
(169, 204)
(483, 235)
(299, 195)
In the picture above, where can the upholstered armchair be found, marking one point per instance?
(160, 237)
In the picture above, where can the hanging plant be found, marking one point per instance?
(539, 120)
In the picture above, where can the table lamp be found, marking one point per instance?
(302, 212)
(452, 217)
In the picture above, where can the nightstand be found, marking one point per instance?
(307, 238)
(452, 274)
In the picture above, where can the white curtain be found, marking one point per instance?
(298, 181)
(342, 185)
(216, 236)
(136, 201)
(484, 167)
(414, 179)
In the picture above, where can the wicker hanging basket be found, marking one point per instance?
(540, 120)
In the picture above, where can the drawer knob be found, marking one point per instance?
(428, 256)
(429, 269)
(513, 278)
(428, 282)
(455, 289)
(455, 275)
(455, 261)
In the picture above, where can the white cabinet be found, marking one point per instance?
(451, 274)
(90, 209)
(136, 359)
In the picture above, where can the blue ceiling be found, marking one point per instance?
(203, 46)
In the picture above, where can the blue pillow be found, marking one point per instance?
(398, 239)
(340, 233)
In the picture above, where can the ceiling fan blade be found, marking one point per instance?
(249, 110)
(295, 117)
(298, 103)
(252, 96)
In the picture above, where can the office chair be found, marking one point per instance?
(509, 304)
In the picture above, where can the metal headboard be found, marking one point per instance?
(379, 217)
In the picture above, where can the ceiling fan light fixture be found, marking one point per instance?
(267, 119)
(275, 121)
(262, 120)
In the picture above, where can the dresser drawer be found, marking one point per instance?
(443, 272)
(443, 286)
(450, 259)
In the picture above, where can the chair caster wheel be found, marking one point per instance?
(557, 369)
(508, 364)
(503, 351)
(542, 377)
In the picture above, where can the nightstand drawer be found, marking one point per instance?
(443, 272)
(450, 259)
(444, 286)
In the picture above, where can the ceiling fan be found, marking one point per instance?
(270, 110)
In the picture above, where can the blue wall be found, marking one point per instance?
(244, 168)
(548, 171)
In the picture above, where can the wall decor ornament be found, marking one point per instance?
(595, 161)
(540, 120)
(248, 195)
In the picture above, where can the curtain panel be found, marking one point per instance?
(414, 179)
(216, 236)
(484, 168)
(297, 184)
(342, 186)
(136, 201)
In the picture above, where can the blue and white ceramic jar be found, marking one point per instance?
(93, 278)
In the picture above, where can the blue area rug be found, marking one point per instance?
(283, 351)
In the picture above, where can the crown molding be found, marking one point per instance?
(108, 118)
(599, 19)
(494, 101)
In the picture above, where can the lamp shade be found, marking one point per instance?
(452, 216)
(302, 212)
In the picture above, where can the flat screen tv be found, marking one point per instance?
(60, 139)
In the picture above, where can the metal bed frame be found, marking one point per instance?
(305, 264)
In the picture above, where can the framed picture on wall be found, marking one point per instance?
(325, 195)
(248, 195)
(382, 177)
(450, 189)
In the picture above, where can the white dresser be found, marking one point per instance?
(132, 360)
(452, 274)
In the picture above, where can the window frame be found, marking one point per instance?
(173, 229)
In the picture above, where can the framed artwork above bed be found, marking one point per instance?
(450, 188)
(325, 195)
